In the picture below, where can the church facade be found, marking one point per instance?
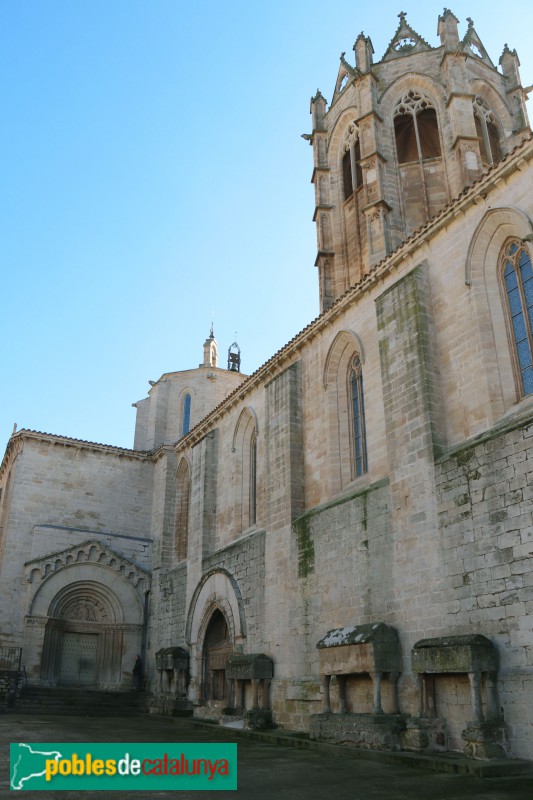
(372, 481)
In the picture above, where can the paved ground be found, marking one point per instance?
(266, 771)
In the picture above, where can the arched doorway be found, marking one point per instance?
(216, 628)
(216, 652)
(83, 640)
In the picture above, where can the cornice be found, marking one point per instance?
(18, 438)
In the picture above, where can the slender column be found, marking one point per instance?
(428, 685)
(376, 682)
(475, 690)
(393, 678)
(341, 680)
(493, 704)
(255, 693)
(326, 701)
(266, 693)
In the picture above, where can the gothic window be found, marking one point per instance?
(357, 411)
(183, 492)
(518, 282)
(416, 128)
(345, 409)
(352, 176)
(186, 415)
(487, 131)
(245, 470)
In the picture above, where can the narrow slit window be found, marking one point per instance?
(347, 175)
(186, 415)
(357, 406)
(253, 480)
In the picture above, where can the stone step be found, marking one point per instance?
(89, 702)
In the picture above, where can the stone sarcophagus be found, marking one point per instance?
(471, 653)
(254, 667)
(476, 656)
(172, 658)
(372, 649)
(172, 665)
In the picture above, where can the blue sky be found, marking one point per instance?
(154, 178)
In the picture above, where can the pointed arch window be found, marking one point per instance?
(245, 469)
(352, 175)
(357, 409)
(517, 274)
(186, 415)
(487, 131)
(416, 128)
(183, 495)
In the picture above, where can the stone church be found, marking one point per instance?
(342, 542)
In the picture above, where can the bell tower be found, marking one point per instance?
(401, 138)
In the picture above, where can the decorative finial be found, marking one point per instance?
(402, 15)
(211, 332)
(470, 22)
(15, 428)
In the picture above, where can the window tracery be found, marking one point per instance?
(416, 128)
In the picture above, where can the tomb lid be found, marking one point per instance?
(470, 653)
(454, 641)
(358, 634)
(249, 666)
(246, 658)
(172, 651)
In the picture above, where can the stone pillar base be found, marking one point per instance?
(168, 706)
(367, 731)
(257, 719)
(423, 735)
(485, 740)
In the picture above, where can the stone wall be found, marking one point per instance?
(63, 493)
(485, 508)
